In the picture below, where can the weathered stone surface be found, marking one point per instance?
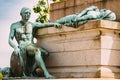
(79, 5)
(70, 3)
(92, 50)
(74, 58)
(60, 5)
(60, 13)
(66, 79)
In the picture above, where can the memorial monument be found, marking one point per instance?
(89, 51)
(87, 45)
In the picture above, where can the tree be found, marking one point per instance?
(42, 8)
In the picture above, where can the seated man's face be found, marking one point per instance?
(26, 15)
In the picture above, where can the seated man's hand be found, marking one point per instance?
(17, 51)
(57, 25)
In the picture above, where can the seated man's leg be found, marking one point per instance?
(22, 57)
(44, 52)
(35, 51)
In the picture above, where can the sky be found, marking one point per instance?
(9, 13)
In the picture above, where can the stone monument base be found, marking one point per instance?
(90, 51)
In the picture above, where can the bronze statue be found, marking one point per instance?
(90, 13)
(29, 55)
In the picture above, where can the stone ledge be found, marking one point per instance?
(66, 79)
(97, 24)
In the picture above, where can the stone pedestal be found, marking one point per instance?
(90, 51)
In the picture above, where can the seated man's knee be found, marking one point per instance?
(31, 50)
(44, 52)
(36, 50)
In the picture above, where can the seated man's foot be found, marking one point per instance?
(50, 77)
(31, 75)
(24, 76)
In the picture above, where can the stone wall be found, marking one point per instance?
(61, 9)
(90, 51)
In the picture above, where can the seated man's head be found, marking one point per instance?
(25, 13)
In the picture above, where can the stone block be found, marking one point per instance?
(91, 50)
(82, 4)
(79, 8)
(74, 58)
(90, 1)
(110, 57)
(69, 10)
(108, 71)
(79, 2)
(70, 3)
(107, 42)
(59, 5)
(63, 42)
(57, 14)
(75, 72)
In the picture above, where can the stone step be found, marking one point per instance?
(62, 79)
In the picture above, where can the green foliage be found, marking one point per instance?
(42, 8)
(58, 0)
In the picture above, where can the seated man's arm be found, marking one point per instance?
(10, 40)
(45, 25)
(11, 36)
